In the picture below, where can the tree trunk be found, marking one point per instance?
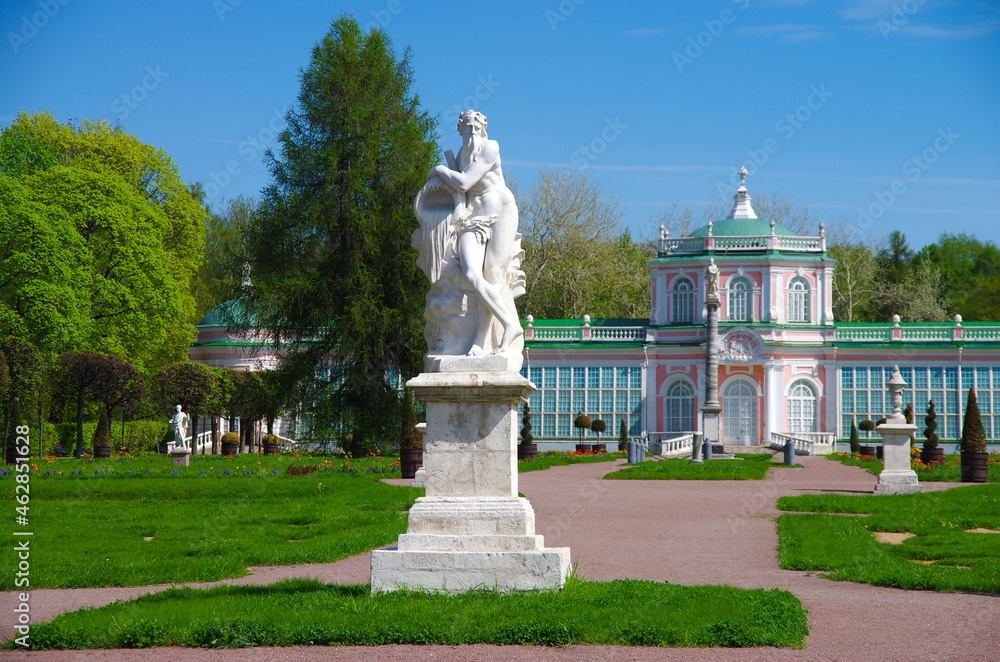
(215, 436)
(79, 426)
(41, 429)
(194, 433)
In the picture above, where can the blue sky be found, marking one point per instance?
(880, 113)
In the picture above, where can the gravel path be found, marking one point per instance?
(684, 532)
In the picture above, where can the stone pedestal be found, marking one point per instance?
(180, 456)
(897, 476)
(471, 530)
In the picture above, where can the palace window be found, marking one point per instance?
(611, 393)
(802, 408)
(863, 395)
(798, 300)
(683, 300)
(740, 300)
(678, 413)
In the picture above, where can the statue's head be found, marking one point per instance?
(178, 409)
(474, 120)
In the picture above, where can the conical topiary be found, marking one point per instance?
(409, 438)
(973, 435)
(622, 436)
(526, 437)
(855, 442)
(102, 435)
(930, 428)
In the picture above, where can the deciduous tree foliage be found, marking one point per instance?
(100, 239)
(579, 257)
(220, 276)
(24, 374)
(334, 278)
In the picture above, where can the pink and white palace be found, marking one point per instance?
(786, 368)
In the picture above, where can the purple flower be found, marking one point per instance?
(128, 473)
(275, 472)
(227, 472)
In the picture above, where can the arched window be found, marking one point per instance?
(739, 413)
(683, 300)
(678, 409)
(798, 300)
(740, 300)
(802, 408)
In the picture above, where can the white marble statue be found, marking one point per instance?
(179, 425)
(471, 252)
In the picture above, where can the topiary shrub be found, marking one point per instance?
(855, 442)
(270, 440)
(231, 438)
(102, 435)
(409, 438)
(867, 426)
(930, 427)
(598, 426)
(582, 422)
(526, 437)
(622, 436)
(973, 434)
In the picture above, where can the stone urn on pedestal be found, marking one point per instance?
(897, 477)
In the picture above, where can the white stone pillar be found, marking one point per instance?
(773, 387)
(471, 530)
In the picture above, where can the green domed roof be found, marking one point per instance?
(225, 314)
(742, 227)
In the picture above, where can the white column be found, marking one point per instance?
(773, 388)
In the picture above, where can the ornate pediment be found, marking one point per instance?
(741, 346)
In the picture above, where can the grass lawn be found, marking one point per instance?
(303, 612)
(945, 471)
(558, 458)
(139, 521)
(943, 555)
(753, 466)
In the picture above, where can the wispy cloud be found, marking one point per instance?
(644, 32)
(918, 19)
(790, 32)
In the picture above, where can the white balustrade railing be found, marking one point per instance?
(813, 443)
(805, 445)
(558, 333)
(864, 334)
(618, 333)
(674, 443)
(982, 333)
(751, 243)
(925, 333)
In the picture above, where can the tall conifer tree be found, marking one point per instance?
(333, 273)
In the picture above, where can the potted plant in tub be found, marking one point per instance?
(866, 426)
(272, 446)
(599, 426)
(527, 449)
(411, 446)
(230, 443)
(582, 422)
(974, 455)
(930, 452)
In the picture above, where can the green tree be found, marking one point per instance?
(598, 426)
(973, 434)
(219, 405)
(526, 436)
(855, 442)
(220, 277)
(930, 427)
(102, 433)
(622, 436)
(334, 279)
(248, 392)
(25, 368)
(408, 436)
(582, 422)
(854, 282)
(120, 238)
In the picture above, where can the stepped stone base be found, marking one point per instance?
(897, 482)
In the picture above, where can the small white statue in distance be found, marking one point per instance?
(471, 252)
(179, 425)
